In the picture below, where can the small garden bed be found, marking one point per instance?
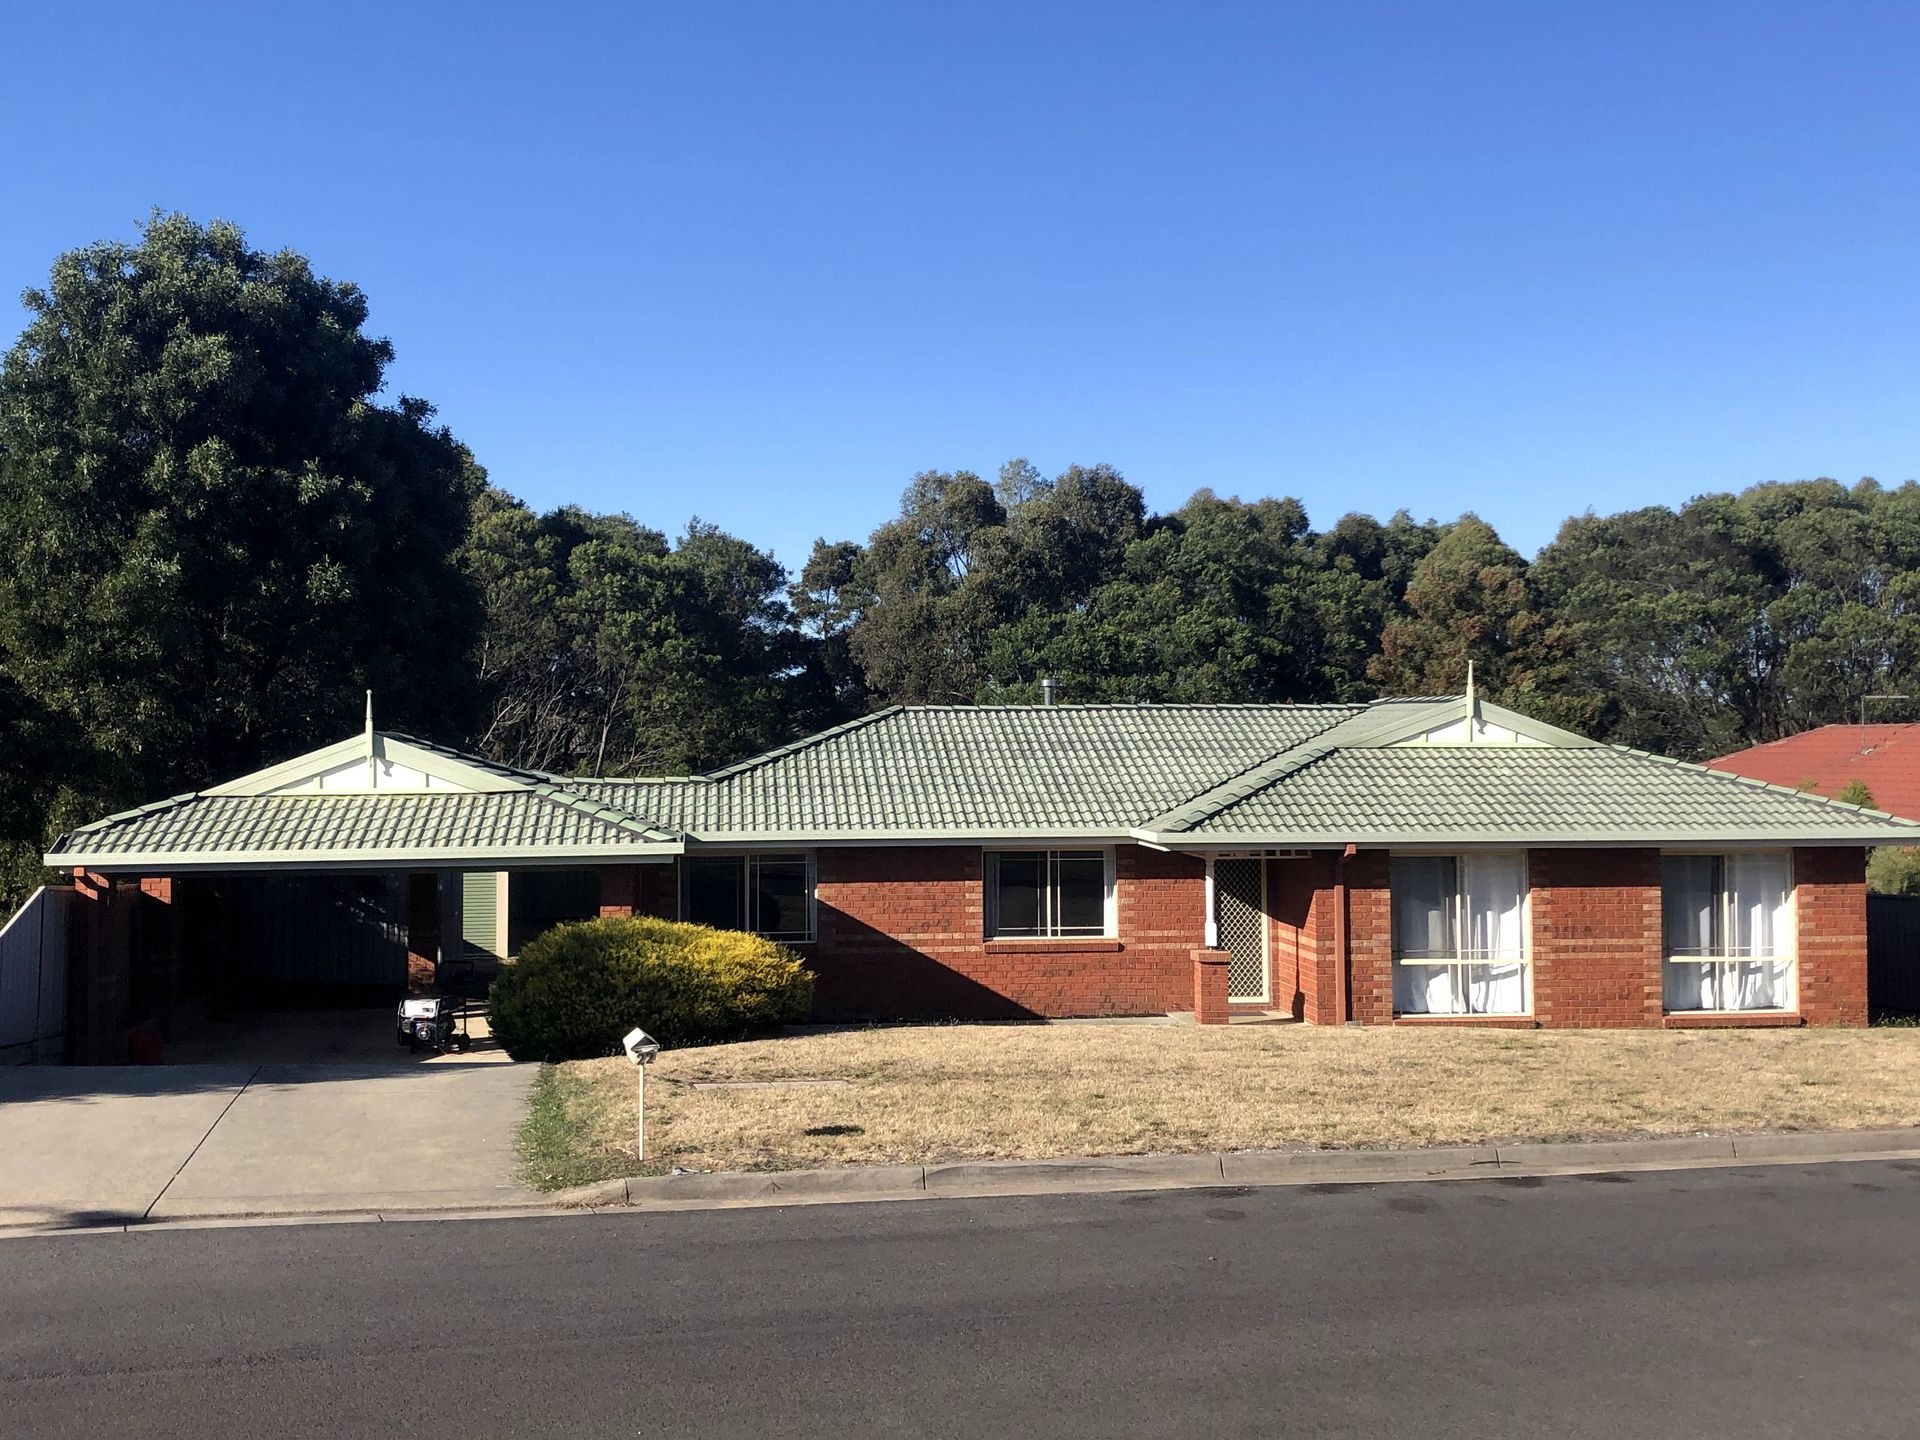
(928, 1094)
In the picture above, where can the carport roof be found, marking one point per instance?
(328, 810)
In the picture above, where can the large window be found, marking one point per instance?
(1035, 894)
(770, 895)
(1460, 934)
(1728, 922)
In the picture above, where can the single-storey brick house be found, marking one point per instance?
(1432, 861)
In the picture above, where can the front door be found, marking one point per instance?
(1240, 925)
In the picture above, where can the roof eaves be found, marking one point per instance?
(169, 861)
(1315, 839)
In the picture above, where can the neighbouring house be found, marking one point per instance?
(1884, 758)
(1431, 861)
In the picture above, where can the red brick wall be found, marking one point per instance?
(1305, 973)
(901, 934)
(1370, 937)
(1830, 901)
(1596, 950)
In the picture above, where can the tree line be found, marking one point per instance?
(217, 533)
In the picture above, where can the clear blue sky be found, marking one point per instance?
(763, 262)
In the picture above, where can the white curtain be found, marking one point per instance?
(1491, 919)
(1424, 990)
(1753, 945)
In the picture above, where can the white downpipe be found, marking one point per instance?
(1213, 924)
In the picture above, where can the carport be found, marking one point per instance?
(345, 876)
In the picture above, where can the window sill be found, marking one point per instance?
(1731, 1019)
(1450, 961)
(1730, 959)
(1079, 945)
(1517, 1022)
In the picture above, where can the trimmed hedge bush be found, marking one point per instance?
(577, 989)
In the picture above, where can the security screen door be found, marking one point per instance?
(1240, 922)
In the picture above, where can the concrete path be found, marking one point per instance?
(107, 1144)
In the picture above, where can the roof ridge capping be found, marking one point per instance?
(805, 742)
(1232, 791)
(1135, 706)
(558, 793)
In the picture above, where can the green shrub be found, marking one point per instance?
(578, 988)
(1893, 870)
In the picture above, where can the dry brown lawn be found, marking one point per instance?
(935, 1093)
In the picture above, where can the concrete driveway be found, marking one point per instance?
(87, 1145)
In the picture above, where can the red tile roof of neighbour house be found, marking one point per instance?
(1884, 758)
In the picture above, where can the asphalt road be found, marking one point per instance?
(1762, 1302)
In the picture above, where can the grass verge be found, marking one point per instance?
(925, 1095)
(568, 1136)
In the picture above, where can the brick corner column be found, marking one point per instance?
(1370, 938)
(1830, 904)
(1210, 986)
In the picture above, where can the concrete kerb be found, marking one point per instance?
(1239, 1167)
(1078, 1175)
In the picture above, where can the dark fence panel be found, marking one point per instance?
(1893, 954)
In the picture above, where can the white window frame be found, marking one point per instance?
(990, 892)
(1463, 955)
(1723, 903)
(751, 860)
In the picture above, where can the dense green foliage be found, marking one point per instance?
(1893, 870)
(217, 536)
(576, 990)
(607, 651)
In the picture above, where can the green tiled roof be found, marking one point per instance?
(1491, 794)
(1182, 776)
(507, 822)
(1092, 769)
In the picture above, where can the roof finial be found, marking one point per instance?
(372, 779)
(1473, 705)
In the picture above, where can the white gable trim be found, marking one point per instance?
(1495, 725)
(344, 769)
